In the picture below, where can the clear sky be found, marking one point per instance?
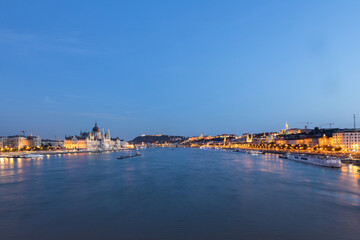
(177, 67)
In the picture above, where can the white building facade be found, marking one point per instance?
(94, 140)
(347, 140)
(19, 142)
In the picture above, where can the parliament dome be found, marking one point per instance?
(96, 128)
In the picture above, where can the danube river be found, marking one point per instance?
(176, 194)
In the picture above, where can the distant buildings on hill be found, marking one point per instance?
(157, 139)
(344, 139)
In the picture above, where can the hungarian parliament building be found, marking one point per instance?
(94, 140)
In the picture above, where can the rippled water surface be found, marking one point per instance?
(176, 194)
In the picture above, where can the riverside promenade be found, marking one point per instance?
(18, 154)
(346, 157)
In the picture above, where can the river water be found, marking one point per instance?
(176, 194)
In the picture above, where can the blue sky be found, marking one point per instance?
(177, 67)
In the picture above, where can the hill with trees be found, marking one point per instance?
(157, 139)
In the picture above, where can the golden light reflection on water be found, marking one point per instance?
(272, 163)
(19, 162)
(350, 176)
(349, 179)
(351, 170)
(344, 182)
(11, 170)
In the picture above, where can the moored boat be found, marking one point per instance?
(254, 152)
(33, 156)
(130, 156)
(319, 160)
(239, 150)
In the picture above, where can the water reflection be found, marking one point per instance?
(350, 173)
(178, 194)
(351, 169)
(11, 170)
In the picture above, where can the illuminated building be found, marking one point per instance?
(191, 139)
(288, 130)
(19, 141)
(348, 140)
(93, 140)
(310, 141)
(52, 143)
(312, 138)
(249, 138)
(271, 137)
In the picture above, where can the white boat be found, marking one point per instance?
(325, 161)
(33, 156)
(254, 152)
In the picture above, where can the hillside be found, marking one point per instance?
(158, 139)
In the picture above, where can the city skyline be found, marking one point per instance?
(180, 68)
(306, 125)
(180, 119)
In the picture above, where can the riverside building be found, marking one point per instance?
(349, 140)
(94, 140)
(19, 142)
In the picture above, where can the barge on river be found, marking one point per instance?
(130, 156)
(325, 161)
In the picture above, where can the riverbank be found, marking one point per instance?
(55, 152)
(344, 157)
(348, 158)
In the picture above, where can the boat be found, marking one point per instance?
(33, 156)
(130, 156)
(254, 152)
(319, 160)
(350, 159)
(239, 150)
